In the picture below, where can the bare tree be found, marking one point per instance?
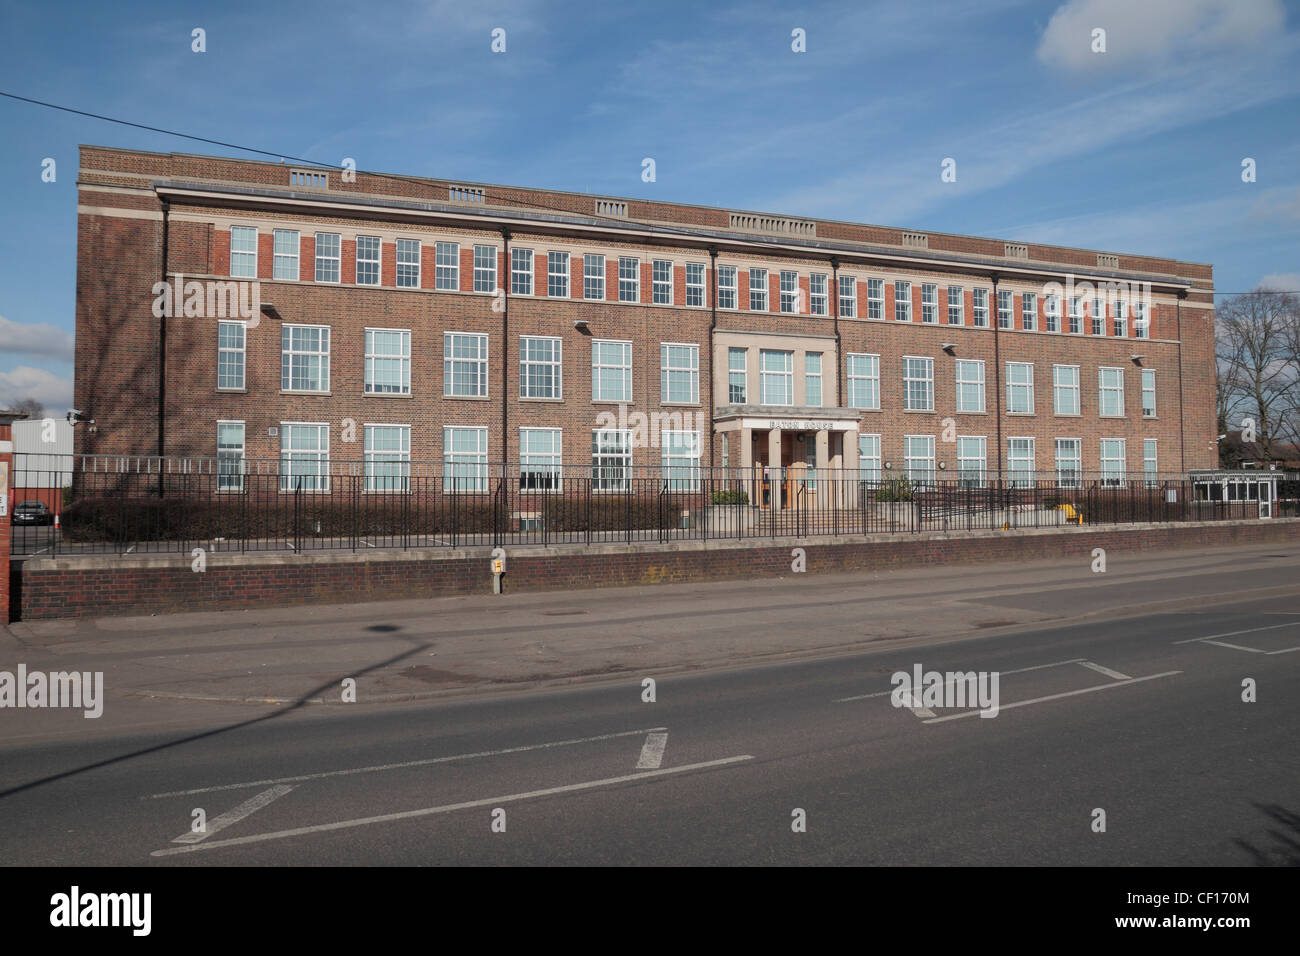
(1257, 345)
(30, 406)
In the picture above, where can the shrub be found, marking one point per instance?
(895, 489)
(733, 497)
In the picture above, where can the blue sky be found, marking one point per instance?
(1137, 149)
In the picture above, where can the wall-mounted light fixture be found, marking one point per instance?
(582, 326)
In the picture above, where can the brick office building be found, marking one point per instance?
(408, 319)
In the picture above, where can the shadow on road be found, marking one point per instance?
(1284, 848)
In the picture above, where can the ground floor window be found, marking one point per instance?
(304, 456)
(611, 459)
(918, 458)
(972, 459)
(387, 465)
(230, 456)
(681, 460)
(464, 459)
(539, 458)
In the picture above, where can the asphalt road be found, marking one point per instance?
(1142, 718)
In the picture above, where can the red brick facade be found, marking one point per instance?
(151, 384)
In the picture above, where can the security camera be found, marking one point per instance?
(75, 413)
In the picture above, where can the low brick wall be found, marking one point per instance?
(147, 584)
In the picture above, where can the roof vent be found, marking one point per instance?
(1107, 262)
(773, 224)
(610, 207)
(309, 179)
(465, 194)
(1017, 250)
(916, 240)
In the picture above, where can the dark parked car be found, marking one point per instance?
(32, 512)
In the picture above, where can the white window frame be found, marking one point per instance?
(1022, 477)
(980, 308)
(968, 476)
(287, 350)
(1069, 477)
(521, 280)
(1007, 312)
(226, 453)
(696, 284)
(452, 363)
(966, 383)
(557, 274)
(869, 463)
(465, 472)
(789, 291)
(783, 376)
(248, 266)
(1029, 311)
(1141, 320)
(927, 380)
(921, 476)
(1061, 389)
(320, 456)
(866, 375)
(902, 300)
(527, 362)
(593, 276)
(670, 373)
(1023, 387)
(629, 279)
(541, 470)
(328, 268)
(733, 371)
(680, 460)
(377, 261)
(957, 310)
(758, 290)
(729, 287)
(1098, 317)
(1076, 315)
(371, 357)
(930, 303)
(446, 275)
(611, 459)
(1110, 475)
(1149, 374)
(372, 480)
(1052, 312)
(848, 297)
(661, 281)
(1103, 390)
(810, 376)
(875, 298)
(281, 269)
(413, 276)
(818, 301)
(241, 351)
(1150, 461)
(485, 274)
(624, 367)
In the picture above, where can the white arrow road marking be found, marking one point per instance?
(428, 811)
(1068, 693)
(400, 766)
(247, 808)
(652, 752)
(1105, 670)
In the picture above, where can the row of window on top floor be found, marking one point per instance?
(1083, 315)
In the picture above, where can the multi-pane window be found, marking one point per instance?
(1148, 393)
(875, 298)
(285, 243)
(918, 383)
(1028, 311)
(817, 297)
(243, 252)
(848, 297)
(902, 300)
(1020, 387)
(679, 373)
(869, 457)
(1065, 389)
(305, 358)
(1076, 315)
(368, 252)
(918, 458)
(812, 378)
(758, 290)
(1149, 463)
(1020, 462)
(408, 263)
(1141, 321)
(1114, 462)
(956, 305)
(387, 458)
(464, 459)
(1052, 312)
(230, 354)
(695, 283)
(327, 256)
(230, 456)
(661, 276)
(980, 302)
(611, 371)
(521, 272)
(1098, 316)
(593, 276)
(304, 456)
(736, 372)
(485, 269)
(1069, 462)
(539, 367)
(929, 302)
(775, 377)
(464, 365)
(727, 286)
(1110, 392)
(629, 279)
(680, 459)
(388, 362)
(1120, 320)
(557, 275)
(446, 270)
(611, 459)
(863, 380)
(972, 460)
(1006, 302)
(539, 458)
(789, 290)
(970, 385)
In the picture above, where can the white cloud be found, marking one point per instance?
(1282, 281)
(52, 391)
(1153, 31)
(35, 338)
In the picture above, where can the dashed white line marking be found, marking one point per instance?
(247, 808)
(652, 752)
(1019, 670)
(400, 766)
(449, 808)
(1068, 693)
(1235, 647)
(1104, 670)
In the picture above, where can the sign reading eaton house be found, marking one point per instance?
(799, 424)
